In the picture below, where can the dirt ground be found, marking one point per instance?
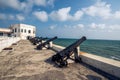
(24, 62)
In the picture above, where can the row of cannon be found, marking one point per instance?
(61, 57)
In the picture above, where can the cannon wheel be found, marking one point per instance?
(54, 58)
(63, 64)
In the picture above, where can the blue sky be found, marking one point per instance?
(95, 19)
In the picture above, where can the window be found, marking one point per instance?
(21, 30)
(15, 30)
(29, 31)
(33, 32)
(9, 35)
(1, 34)
(24, 30)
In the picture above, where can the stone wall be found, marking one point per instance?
(7, 41)
(107, 65)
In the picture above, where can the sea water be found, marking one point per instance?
(105, 48)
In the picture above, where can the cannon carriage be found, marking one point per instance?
(61, 57)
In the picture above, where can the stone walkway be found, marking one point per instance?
(24, 62)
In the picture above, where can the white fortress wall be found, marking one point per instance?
(107, 65)
(7, 41)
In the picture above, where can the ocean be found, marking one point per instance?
(105, 48)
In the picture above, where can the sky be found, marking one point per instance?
(95, 19)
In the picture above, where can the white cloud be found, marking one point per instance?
(97, 26)
(93, 25)
(53, 27)
(10, 3)
(41, 15)
(78, 15)
(109, 31)
(117, 15)
(39, 2)
(79, 26)
(42, 2)
(63, 14)
(100, 9)
(20, 17)
(68, 26)
(11, 17)
(51, 2)
(2, 16)
(26, 5)
(114, 27)
(110, 27)
(102, 26)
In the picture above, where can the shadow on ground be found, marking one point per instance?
(91, 77)
(49, 61)
(50, 75)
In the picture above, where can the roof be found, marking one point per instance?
(19, 25)
(5, 30)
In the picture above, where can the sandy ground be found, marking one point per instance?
(24, 62)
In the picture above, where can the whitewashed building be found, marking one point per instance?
(4, 32)
(23, 30)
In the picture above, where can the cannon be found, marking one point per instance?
(61, 57)
(40, 46)
(33, 39)
(36, 40)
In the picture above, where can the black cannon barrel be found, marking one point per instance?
(47, 42)
(70, 48)
(61, 57)
(36, 40)
(40, 39)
